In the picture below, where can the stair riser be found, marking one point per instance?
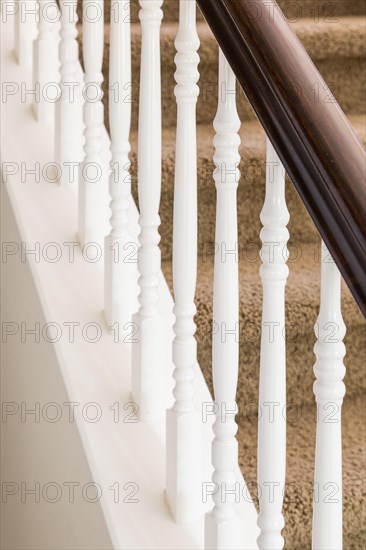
(292, 9)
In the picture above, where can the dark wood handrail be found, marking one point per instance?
(311, 135)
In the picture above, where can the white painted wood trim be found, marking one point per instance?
(121, 249)
(329, 390)
(115, 451)
(223, 526)
(184, 421)
(272, 379)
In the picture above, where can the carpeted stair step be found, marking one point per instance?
(337, 48)
(301, 427)
(250, 192)
(302, 308)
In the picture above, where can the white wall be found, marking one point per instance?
(38, 452)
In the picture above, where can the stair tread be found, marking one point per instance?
(300, 470)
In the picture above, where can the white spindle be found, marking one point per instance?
(329, 391)
(46, 64)
(92, 169)
(224, 528)
(26, 18)
(272, 381)
(120, 248)
(68, 114)
(183, 438)
(149, 354)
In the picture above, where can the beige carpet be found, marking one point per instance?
(334, 35)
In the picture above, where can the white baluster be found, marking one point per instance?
(149, 355)
(26, 19)
(68, 113)
(329, 391)
(120, 249)
(223, 527)
(272, 381)
(92, 170)
(183, 437)
(46, 63)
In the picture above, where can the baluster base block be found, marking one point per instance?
(224, 534)
(25, 34)
(184, 465)
(69, 140)
(93, 203)
(120, 281)
(150, 356)
(45, 72)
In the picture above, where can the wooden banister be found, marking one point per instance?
(310, 133)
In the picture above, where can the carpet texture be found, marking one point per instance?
(334, 35)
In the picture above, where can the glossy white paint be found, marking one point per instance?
(110, 452)
(68, 113)
(272, 382)
(184, 424)
(151, 351)
(223, 526)
(93, 171)
(46, 62)
(329, 391)
(25, 27)
(120, 248)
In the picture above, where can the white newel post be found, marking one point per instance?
(272, 380)
(26, 18)
(329, 391)
(183, 436)
(224, 529)
(46, 62)
(120, 249)
(92, 170)
(68, 113)
(150, 353)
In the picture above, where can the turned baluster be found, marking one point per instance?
(120, 248)
(92, 173)
(149, 354)
(183, 438)
(272, 380)
(68, 113)
(46, 63)
(329, 391)
(223, 527)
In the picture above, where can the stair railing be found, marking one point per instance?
(316, 145)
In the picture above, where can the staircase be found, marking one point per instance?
(334, 36)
